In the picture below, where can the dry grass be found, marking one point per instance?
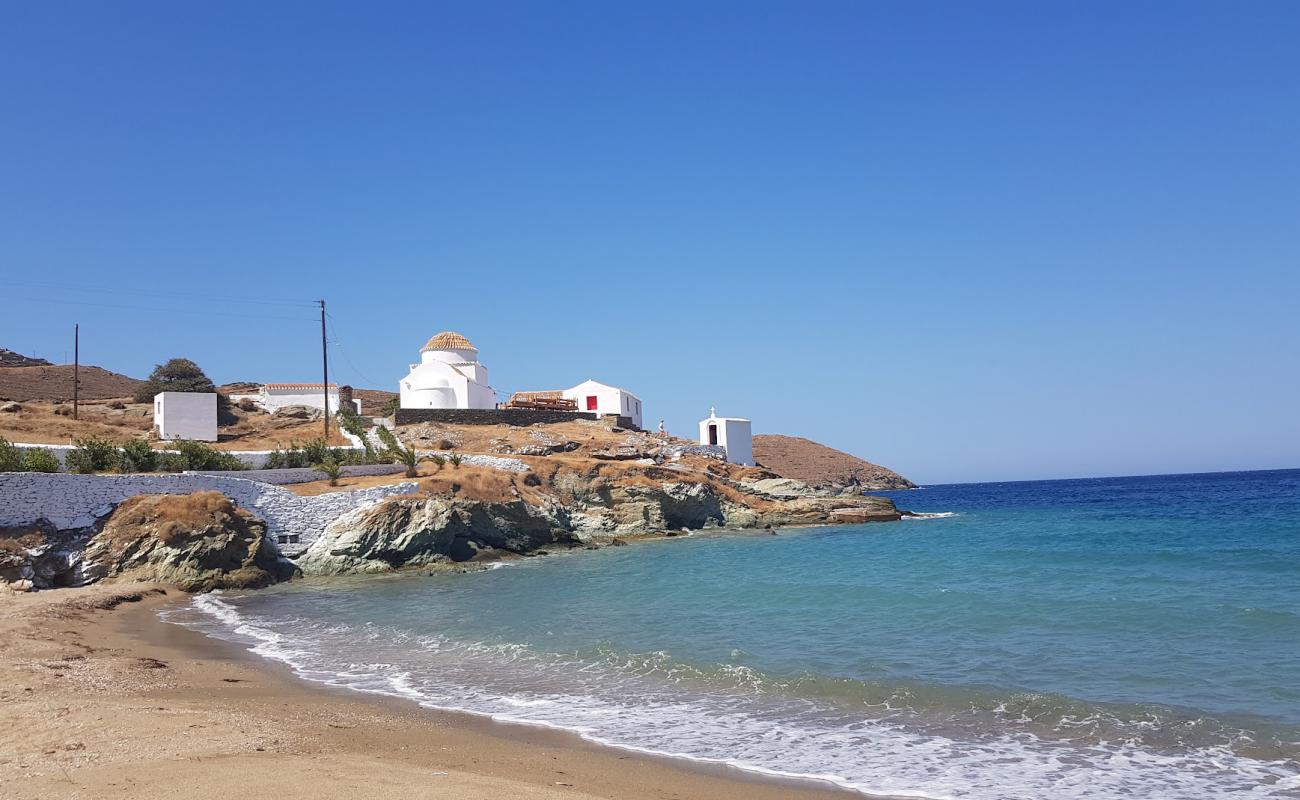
(54, 383)
(814, 463)
(252, 430)
(172, 516)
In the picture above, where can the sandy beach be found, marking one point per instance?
(99, 698)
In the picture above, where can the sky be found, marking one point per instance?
(968, 241)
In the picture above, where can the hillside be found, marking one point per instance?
(54, 383)
(817, 464)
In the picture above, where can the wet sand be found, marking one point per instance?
(99, 698)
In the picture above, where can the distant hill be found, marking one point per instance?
(9, 358)
(53, 383)
(817, 464)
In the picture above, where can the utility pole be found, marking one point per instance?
(76, 367)
(325, 362)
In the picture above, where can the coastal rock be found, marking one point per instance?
(411, 532)
(39, 557)
(784, 488)
(196, 542)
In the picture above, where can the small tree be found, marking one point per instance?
(176, 375)
(398, 452)
(332, 469)
(455, 459)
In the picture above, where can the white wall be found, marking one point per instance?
(273, 399)
(609, 400)
(735, 435)
(186, 415)
(434, 383)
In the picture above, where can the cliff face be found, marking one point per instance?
(819, 465)
(565, 510)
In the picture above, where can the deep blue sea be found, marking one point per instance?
(1108, 638)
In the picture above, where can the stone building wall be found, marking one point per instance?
(487, 416)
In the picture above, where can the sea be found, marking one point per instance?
(1103, 638)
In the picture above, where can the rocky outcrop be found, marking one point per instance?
(784, 488)
(411, 532)
(39, 557)
(298, 412)
(195, 542)
(429, 531)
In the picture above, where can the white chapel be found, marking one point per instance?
(449, 375)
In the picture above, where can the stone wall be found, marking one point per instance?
(519, 417)
(286, 477)
(69, 502)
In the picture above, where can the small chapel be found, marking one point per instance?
(449, 375)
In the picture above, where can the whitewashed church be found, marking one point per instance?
(449, 375)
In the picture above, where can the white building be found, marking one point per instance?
(601, 398)
(272, 396)
(186, 415)
(449, 375)
(733, 433)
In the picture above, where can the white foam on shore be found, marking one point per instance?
(930, 515)
(615, 705)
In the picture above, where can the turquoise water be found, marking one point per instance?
(1114, 638)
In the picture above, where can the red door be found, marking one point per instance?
(591, 402)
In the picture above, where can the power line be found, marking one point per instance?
(162, 293)
(155, 309)
(346, 357)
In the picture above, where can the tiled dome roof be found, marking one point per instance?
(448, 340)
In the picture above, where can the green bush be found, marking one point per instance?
(171, 461)
(316, 450)
(138, 456)
(198, 456)
(11, 458)
(350, 421)
(93, 455)
(39, 459)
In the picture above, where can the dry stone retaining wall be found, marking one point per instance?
(69, 502)
(518, 417)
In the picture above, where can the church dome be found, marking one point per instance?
(448, 340)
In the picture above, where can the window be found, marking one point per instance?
(591, 402)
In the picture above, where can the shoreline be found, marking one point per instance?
(155, 709)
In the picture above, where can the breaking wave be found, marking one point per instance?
(880, 738)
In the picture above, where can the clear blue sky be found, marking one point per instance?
(970, 241)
